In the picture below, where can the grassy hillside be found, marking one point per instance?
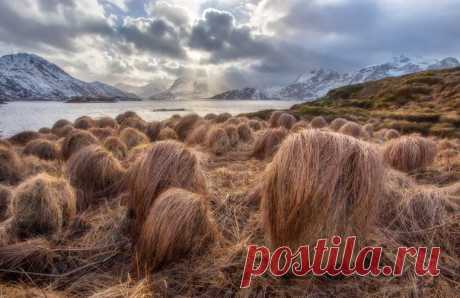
(426, 102)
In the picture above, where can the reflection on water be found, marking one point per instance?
(19, 116)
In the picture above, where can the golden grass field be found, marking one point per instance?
(128, 208)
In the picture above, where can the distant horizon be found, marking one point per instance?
(391, 59)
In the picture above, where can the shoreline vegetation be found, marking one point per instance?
(123, 207)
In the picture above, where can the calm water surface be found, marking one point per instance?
(19, 116)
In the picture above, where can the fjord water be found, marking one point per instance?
(22, 115)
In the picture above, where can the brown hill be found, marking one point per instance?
(427, 102)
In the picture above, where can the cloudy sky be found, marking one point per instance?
(233, 42)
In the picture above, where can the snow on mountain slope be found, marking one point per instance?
(28, 76)
(317, 83)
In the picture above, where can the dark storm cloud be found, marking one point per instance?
(29, 32)
(153, 35)
(358, 30)
(218, 35)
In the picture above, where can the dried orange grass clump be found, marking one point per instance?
(24, 137)
(5, 199)
(75, 141)
(178, 225)
(42, 205)
(286, 120)
(218, 141)
(133, 137)
(352, 129)
(185, 125)
(268, 142)
(117, 147)
(337, 123)
(42, 149)
(410, 153)
(318, 122)
(320, 184)
(95, 173)
(11, 166)
(165, 164)
(244, 132)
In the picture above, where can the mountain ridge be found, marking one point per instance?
(25, 76)
(316, 83)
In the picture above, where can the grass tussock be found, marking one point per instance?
(286, 120)
(106, 122)
(116, 147)
(197, 136)
(11, 166)
(318, 122)
(217, 141)
(407, 154)
(165, 164)
(84, 122)
(102, 133)
(337, 123)
(274, 117)
(133, 137)
(267, 142)
(332, 181)
(185, 125)
(76, 141)
(95, 173)
(5, 200)
(232, 133)
(42, 205)
(153, 130)
(167, 133)
(42, 149)
(352, 129)
(205, 205)
(391, 134)
(178, 225)
(245, 132)
(24, 137)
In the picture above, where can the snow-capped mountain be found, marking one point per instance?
(245, 93)
(184, 88)
(317, 83)
(28, 76)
